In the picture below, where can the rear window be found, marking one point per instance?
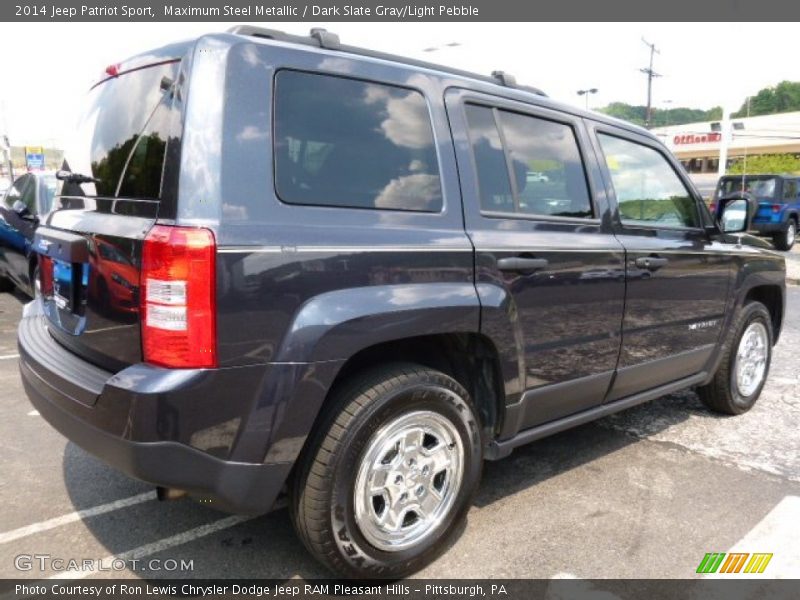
(123, 134)
(350, 143)
(761, 187)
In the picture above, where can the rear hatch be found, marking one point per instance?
(92, 242)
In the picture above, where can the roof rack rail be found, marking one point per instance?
(506, 79)
(330, 41)
(325, 38)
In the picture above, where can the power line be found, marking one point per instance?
(650, 75)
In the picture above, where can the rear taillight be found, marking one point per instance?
(776, 208)
(178, 285)
(46, 275)
(712, 207)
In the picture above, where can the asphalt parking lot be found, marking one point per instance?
(643, 494)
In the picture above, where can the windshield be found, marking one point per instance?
(760, 187)
(122, 136)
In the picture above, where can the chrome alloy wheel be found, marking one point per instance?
(791, 233)
(751, 359)
(408, 480)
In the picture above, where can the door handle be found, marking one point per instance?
(651, 263)
(520, 263)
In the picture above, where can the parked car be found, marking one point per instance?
(21, 209)
(778, 210)
(342, 300)
(537, 176)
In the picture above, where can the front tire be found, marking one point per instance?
(390, 473)
(746, 356)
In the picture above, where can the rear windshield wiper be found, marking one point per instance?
(71, 177)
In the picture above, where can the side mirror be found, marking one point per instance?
(734, 212)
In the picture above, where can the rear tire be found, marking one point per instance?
(785, 240)
(390, 473)
(746, 356)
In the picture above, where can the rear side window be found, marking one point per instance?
(790, 189)
(123, 135)
(350, 143)
(541, 155)
(648, 190)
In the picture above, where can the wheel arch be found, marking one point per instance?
(771, 296)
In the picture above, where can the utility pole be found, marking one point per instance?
(650, 75)
(5, 145)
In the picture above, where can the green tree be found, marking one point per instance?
(661, 117)
(772, 164)
(783, 97)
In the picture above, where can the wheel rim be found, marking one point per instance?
(408, 480)
(751, 359)
(791, 232)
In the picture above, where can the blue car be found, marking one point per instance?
(778, 198)
(22, 206)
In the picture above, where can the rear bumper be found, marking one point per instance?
(127, 419)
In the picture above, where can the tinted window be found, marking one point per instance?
(549, 178)
(648, 190)
(123, 134)
(342, 142)
(47, 190)
(17, 190)
(29, 194)
(790, 189)
(490, 160)
(761, 187)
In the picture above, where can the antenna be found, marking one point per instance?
(650, 75)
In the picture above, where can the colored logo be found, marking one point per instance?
(734, 562)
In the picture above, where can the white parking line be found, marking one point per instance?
(8, 356)
(157, 546)
(33, 413)
(15, 534)
(777, 534)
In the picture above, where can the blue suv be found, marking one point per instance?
(778, 198)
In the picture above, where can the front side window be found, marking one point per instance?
(648, 190)
(542, 155)
(349, 143)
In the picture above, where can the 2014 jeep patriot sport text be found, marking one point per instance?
(283, 266)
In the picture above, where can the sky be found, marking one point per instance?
(50, 66)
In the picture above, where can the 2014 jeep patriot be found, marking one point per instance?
(278, 264)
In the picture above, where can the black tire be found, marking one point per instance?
(323, 490)
(785, 240)
(722, 393)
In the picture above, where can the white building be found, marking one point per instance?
(697, 144)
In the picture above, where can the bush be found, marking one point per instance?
(771, 164)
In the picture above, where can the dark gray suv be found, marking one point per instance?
(279, 266)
